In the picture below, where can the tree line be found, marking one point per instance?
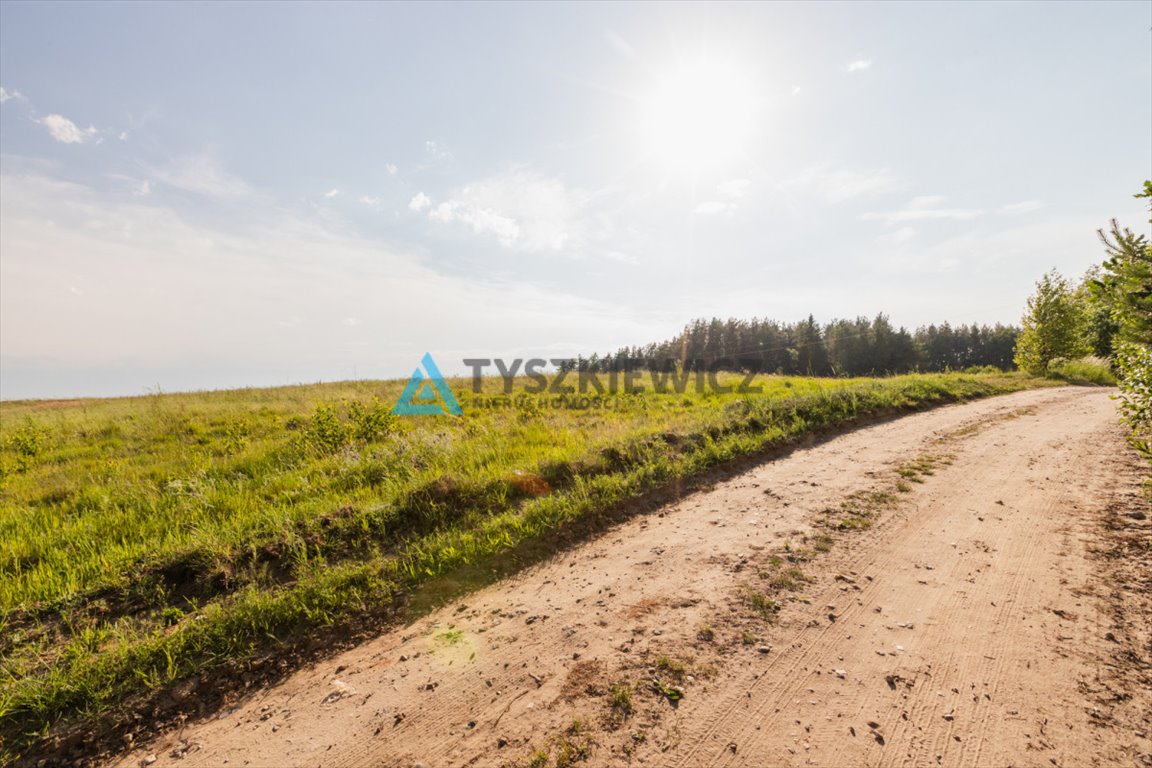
(858, 347)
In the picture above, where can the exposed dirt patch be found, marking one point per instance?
(995, 612)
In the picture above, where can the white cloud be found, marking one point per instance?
(860, 65)
(419, 202)
(369, 200)
(332, 193)
(203, 175)
(796, 90)
(67, 132)
(923, 208)
(1014, 255)
(138, 187)
(482, 220)
(437, 151)
(899, 237)
(838, 185)
(734, 188)
(6, 95)
(730, 192)
(520, 208)
(1026, 206)
(392, 169)
(281, 288)
(715, 208)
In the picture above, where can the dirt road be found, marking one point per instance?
(964, 587)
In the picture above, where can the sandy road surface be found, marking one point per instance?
(982, 620)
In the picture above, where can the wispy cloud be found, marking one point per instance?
(419, 202)
(621, 45)
(370, 200)
(6, 95)
(67, 132)
(1026, 206)
(290, 292)
(332, 193)
(392, 169)
(923, 208)
(730, 193)
(838, 185)
(899, 237)
(203, 175)
(860, 65)
(715, 208)
(138, 187)
(736, 189)
(482, 220)
(522, 209)
(437, 151)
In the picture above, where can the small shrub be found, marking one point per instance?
(326, 433)
(371, 422)
(27, 442)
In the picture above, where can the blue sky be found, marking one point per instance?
(209, 195)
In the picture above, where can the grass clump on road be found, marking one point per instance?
(144, 541)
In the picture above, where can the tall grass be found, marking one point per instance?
(1085, 370)
(145, 540)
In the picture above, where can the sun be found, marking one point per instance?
(700, 116)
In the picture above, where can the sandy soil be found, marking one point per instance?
(997, 613)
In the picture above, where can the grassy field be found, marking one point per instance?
(144, 540)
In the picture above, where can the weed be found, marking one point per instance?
(450, 637)
(764, 606)
(790, 579)
(619, 704)
(674, 669)
(822, 543)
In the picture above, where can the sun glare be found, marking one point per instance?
(699, 117)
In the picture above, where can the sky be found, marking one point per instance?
(209, 195)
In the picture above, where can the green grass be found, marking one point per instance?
(620, 706)
(760, 603)
(1086, 370)
(145, 540)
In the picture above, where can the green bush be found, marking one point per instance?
(371, 422)
(326, 433)
(1134, 362)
